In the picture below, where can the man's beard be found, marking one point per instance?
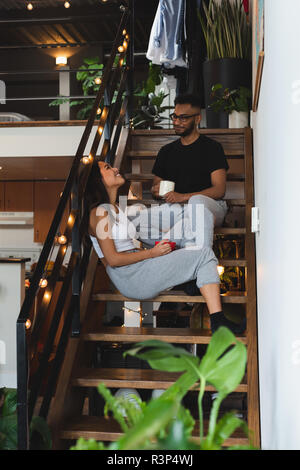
(186, 132)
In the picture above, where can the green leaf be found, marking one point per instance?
(226, 426)
(8, 432)
(164, 356)
(224, 363)
(10, 402)
(113, 404)
(176, 438)
(76, 102)
(89, 444)
(158, 414)
(91, 60)
(59, 101)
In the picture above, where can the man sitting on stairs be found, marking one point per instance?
(196, 164)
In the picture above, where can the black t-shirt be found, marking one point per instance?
(190, 166)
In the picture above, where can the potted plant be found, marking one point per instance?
(227, 35)
(89, 75)
(40, 436)
(236, 103)
(148, 103)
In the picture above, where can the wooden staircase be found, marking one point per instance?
(69, 418)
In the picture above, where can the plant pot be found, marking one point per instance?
(238, 120)
(231, 73)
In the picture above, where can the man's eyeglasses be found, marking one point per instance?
(182, 117)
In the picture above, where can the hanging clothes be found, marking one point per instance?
(246, 6)
(168, 34)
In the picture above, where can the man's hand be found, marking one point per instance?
(155, 190)
(173, 197)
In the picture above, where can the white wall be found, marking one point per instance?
(277, 168)
(42, 141)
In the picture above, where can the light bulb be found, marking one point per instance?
(62, 239)
(61, 60)
(100, 130)
(67, 4)
(43, 283)
(124, 32)
(47, 295)
(27, 324)
(99, 111)
(85, 160)
(221, 270)
(125, 44)
(121, 49)
(29, 6)
(97, 80)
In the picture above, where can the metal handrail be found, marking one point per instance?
(28, 336)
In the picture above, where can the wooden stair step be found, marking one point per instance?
(233, 262)
(151, 154)
(232, 297)
(149, 202)
(230, 231)
(133, 378)
(169, 335)
(150, 177)
(108, 430)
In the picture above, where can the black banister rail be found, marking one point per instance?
(29, 323)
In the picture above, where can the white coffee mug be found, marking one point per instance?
(165, 187)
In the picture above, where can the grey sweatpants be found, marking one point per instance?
(189, 224)
(146, 279)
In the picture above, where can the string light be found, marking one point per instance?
(27, 324)
(97, 80)
(100, 130)
(85, 160)
(99, 110)
(121, 49)
(67, 4)
(47, 295)
(221, 270)
(70, 219)
(124, 32)
(29, 6)
(43, 283)
(62, 239)
(125, 44)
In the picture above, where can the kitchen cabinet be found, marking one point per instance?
(46, 198)
(16, 196)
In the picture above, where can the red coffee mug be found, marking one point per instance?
(172, 244)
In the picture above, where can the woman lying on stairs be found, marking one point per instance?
(142, 274)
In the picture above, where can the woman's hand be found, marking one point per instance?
(162, 248)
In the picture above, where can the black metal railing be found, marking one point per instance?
(117, 83)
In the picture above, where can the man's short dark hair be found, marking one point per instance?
(193, 100)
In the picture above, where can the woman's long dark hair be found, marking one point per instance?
(95, 194)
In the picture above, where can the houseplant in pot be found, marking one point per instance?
(227, 35)
(236, 103)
